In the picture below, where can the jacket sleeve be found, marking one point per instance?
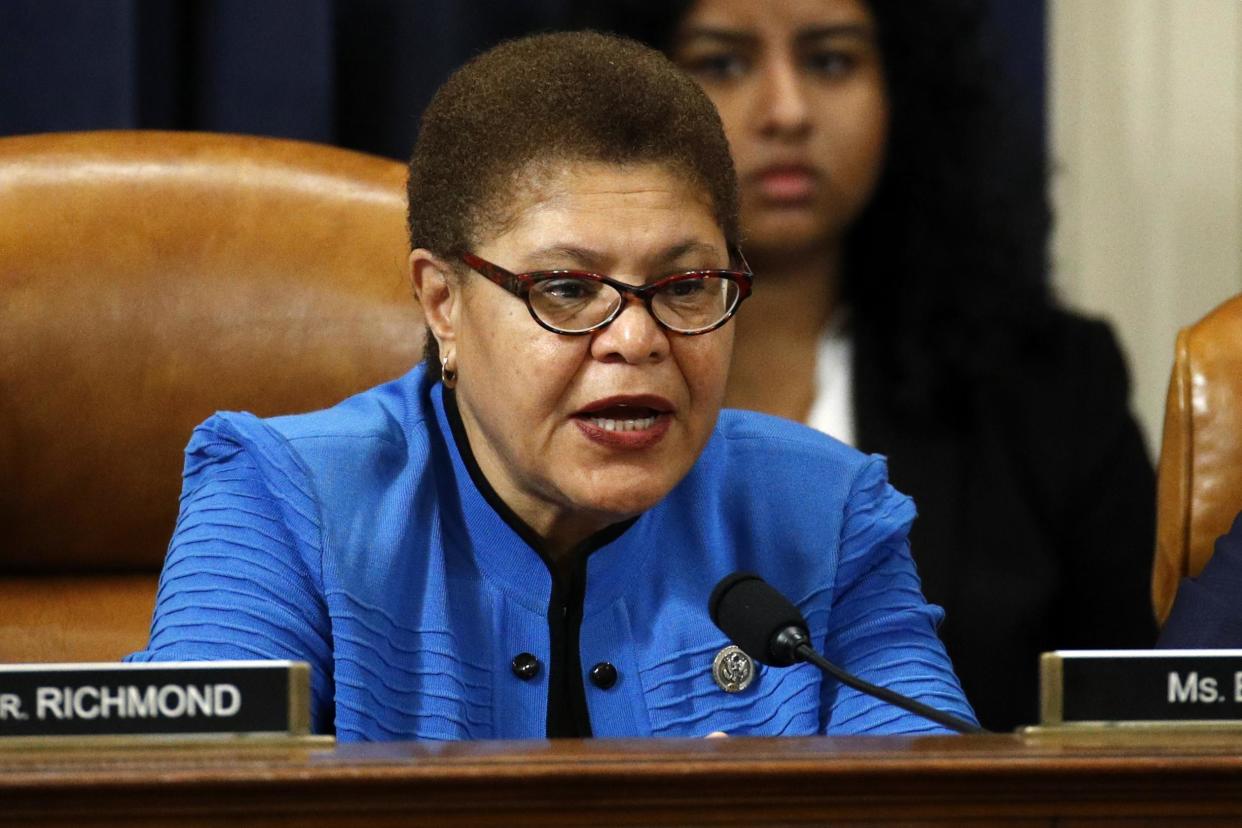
(241, 579)
(881, 628)
(1206, 613)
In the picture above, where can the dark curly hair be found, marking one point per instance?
(945, 269)
(548, 99)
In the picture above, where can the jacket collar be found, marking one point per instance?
(504, 546)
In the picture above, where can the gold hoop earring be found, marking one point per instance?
(449, 375)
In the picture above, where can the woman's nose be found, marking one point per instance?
(633, 337)
(783, 106)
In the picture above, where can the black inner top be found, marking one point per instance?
(567, 707)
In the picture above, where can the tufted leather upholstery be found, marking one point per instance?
(1200, 477)
(146, 280)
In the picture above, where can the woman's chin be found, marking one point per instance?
(615, 501)
(778, 233)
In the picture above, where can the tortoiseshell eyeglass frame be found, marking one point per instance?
(520, 284)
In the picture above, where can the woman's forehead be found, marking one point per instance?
(741, 16)
(548, 183)
(600, 209)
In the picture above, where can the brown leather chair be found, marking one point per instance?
(146, 280)
(1200, 477)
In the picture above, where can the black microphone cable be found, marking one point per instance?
(884, 694)
(769, 628)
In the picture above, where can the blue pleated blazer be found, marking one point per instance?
(363, 540)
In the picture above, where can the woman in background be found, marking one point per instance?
(898, 224)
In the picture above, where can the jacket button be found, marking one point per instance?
(603, 675)
(525, 666)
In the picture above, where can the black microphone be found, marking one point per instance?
(770, 629)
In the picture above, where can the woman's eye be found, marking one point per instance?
(685, 288)
(567, 289)
(718, 66)
(831, 62)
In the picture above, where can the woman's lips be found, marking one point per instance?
(786, 183)
(650, 432)
(625, 423)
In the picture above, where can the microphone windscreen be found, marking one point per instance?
(752, 613)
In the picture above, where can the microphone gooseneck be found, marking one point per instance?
(769, 628)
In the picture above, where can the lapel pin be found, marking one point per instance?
(732, 669)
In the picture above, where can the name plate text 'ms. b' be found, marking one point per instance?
(1080, 686)
(168, 698)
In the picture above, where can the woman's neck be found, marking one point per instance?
(778, 332)
(557, 533)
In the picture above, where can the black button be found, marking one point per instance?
(525, 666)
(603, 675)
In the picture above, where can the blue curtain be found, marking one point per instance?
(350, 72)
(1020, 29)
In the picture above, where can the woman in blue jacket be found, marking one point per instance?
(518, 538)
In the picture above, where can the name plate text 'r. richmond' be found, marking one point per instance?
(167, 698)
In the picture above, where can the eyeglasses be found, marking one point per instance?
(577, 302)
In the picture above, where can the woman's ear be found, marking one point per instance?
(438, 293)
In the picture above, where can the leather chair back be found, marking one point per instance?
(147, 280)
(1199, 488)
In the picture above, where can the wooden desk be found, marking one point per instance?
(1072, 779)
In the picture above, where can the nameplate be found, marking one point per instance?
(1091, 686)
(159, 698)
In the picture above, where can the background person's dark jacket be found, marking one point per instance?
(1036, 513)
